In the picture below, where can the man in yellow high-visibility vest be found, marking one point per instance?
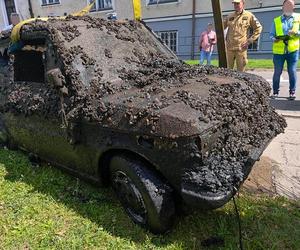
(285, 33)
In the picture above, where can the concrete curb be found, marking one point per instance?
(289, 115)
(265, 69)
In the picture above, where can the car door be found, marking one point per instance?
(35, 120)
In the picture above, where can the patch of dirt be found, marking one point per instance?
(260, 180)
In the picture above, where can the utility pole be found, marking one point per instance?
(30, 9)
(193, 30)
(218, 17)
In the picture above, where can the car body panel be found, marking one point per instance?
(69, 124)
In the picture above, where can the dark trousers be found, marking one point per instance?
(279, 60)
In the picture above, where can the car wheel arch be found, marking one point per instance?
(104, 162)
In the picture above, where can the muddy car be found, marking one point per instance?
(108, 102)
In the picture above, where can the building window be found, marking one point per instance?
(50, 2)
(10, 8)
(169, 38)
(101, 5)
(151, 2)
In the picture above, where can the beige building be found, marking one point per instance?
(173, 20)
(123, 8)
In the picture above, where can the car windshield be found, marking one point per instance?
(107, 47)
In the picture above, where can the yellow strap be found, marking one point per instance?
(15, 33)
(137, 9)
(85, 10)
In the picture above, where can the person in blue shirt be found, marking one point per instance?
(282, 50)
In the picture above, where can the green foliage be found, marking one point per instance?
(252, 64)
(43, 208)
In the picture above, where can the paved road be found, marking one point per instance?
(279, 168)
(283, 105)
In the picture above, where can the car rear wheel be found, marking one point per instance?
(145, 197)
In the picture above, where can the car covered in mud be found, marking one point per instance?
(108, 102)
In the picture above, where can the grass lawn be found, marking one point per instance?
(43, 208)
(253, 63)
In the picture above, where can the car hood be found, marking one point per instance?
(183, 110)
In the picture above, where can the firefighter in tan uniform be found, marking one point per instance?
(238, 38)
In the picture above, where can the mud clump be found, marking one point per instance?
(70, 32)
(108, 53)
(29, 99)
(248, 123)
(119, 75)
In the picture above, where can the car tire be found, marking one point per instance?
(145, 197)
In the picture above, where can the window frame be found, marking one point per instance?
(17, 76)
(7, 13)
(158, 2)
(96, 9)
(50, 4)
(158, 33)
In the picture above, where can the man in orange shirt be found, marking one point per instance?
(208, 39)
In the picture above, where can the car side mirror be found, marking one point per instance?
(55, 77)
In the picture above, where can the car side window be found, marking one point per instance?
(29, 66)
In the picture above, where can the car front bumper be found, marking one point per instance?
(205, 200)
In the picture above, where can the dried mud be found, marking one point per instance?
(116, 74)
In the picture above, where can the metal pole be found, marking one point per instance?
(30, 9)
(193, 30)
(220, 33)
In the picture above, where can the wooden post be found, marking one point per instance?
(220, 33)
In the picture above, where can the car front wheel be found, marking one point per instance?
(145, 197)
